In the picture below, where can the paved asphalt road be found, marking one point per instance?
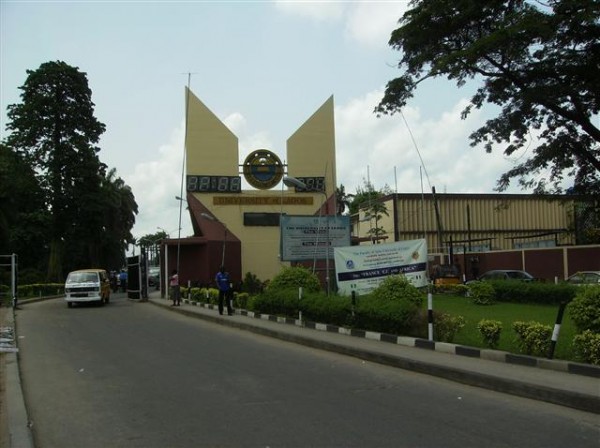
(134, 375)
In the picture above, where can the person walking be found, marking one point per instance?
(175, 292)
(224, 285)
(123, 280)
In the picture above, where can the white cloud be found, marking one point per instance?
(320, 11)
(376, 147)
(366, 22)
(371, 23)
(155, 183)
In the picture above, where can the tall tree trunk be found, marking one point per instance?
(55, 261)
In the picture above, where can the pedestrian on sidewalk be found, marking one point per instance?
(175, 292)
(224, 285)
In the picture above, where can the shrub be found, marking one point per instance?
(241, 300)
(585, 309)
(490, 332)
(30, 276)
(482, 293)
(533, 338)
(205, 295)
(387, 316)
(397, 287)
(282, 302)
(446, 326)
(295, 277)
(251, 284)
(532, 292)
(332, 309)
(587, 347)
(40, 290)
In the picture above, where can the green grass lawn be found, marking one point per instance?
(507, 313)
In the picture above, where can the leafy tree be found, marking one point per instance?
(151, 243)
(366, 195)
(369, 200)
(376, 210)
(23, 218)
(119, 218)
(342, 199)
(538, 61)
(54, 131)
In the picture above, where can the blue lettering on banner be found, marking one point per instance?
(382, 272)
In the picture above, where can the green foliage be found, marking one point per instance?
(240, 300)
(279, 301)
(295, 277)
(252, 284)
(342, 199)
(532, 292)
(30, 276)
(40, 290)
(585, 309)
(332, 309)
(398, 288)
(507, 313)
(203, 295)
(23, 215)
(587, 347)
(482, 293)
(446, 326)
(211, 296)
(367, 195)
(533, 337)
(79, 209)
(490, 332)
(521, 53)
(387, 316)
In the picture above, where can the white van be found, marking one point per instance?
(87, 285)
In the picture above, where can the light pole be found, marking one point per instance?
(212, 218)
(297, 183)
(180, 199)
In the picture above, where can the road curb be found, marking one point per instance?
(20, 435)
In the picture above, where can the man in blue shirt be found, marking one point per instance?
(224, 285)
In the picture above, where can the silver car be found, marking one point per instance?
(507, 274)
(585, 278)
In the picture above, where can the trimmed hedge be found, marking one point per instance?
(532, 292)
(40, 290)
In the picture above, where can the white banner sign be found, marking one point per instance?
(312, 237)
(363, 268)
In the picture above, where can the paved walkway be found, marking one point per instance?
(559, 382)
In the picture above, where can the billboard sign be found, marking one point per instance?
(363, 268)
(310, 237)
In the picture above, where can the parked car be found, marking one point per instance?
(506, 274)
(585, 278)
(154, 276)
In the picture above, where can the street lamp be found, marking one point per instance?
(212, 218)
(297, 183)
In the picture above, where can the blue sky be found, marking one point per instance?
(263, 68)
